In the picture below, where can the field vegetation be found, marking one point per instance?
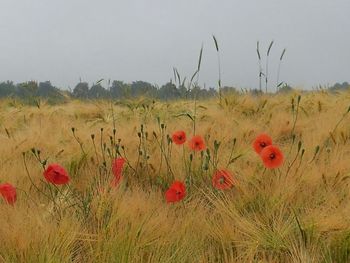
(298, 212)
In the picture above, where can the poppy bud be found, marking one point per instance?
(299, 145)
(154, 134)
(299, 98)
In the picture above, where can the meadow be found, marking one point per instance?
(298, 212)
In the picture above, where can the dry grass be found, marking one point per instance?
(299, 213)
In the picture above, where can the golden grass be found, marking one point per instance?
(298, 213)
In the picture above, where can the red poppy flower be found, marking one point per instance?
(176, 192)
(8, 192)
(179, 137)
(197, 143)
(117, 169)
(261, 142)
(272, 157)
(222, 180)
(56, 174)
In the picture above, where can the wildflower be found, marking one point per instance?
(56, 174)
(179, 137)
(8, 192)
(197, 143)
(272, 156)
(176, 192)
(117, 169)
(222, 180)
(261, 142)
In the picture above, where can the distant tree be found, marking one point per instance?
(141, 88)
(256, 92)
(27, 89)
(201, 93)
(168, 92)
(340, 87)
(228, 90)
(119, 89)
(7, 89)
(212, 92)
(98, 92)
(183, 91)
(285, 89)
(81, 90)
(45, 89)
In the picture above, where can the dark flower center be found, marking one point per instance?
(272, 156)
(222, 180)
(262, 144)
(178, 193)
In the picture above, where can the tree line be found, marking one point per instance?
(121, 90)
(116, 90)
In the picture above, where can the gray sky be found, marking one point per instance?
(62, 40)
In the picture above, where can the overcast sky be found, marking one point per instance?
(63, 40)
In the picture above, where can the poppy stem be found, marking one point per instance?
(57, 208)
(30, 178)
(93, 142)
(138, 156)
(28, 196)
(103, 149)
(292, 163)
(128, 162)
(231, 153)
(194, 115)
(161, 144)
(165, 158)
(296, 115)
(184, 159)
(78, 141)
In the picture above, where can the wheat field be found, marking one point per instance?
(299, 212)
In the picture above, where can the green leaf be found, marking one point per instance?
(185, 114)
(98, 82)
(194, 74)
(283, 52)
(235, 158)
(280, 84)
(216, 43)
(200, 58)
(269, 49)
(257, 50)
